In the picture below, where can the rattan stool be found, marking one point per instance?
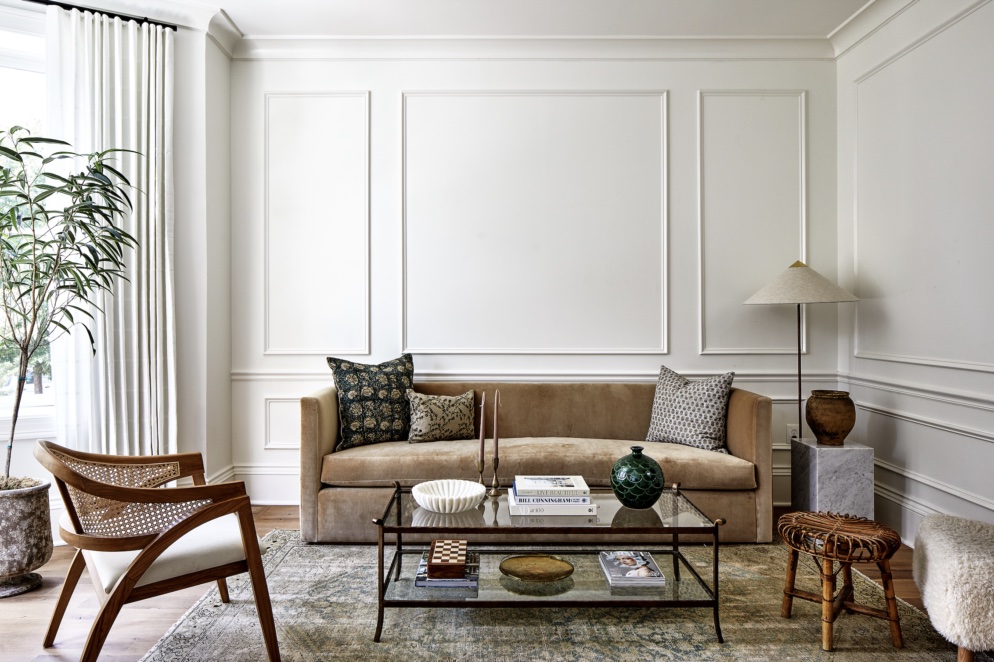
(834, 538)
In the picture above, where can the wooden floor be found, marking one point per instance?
(141, 624)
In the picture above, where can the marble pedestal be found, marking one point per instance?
(837, 479)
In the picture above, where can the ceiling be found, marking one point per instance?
(533, 18)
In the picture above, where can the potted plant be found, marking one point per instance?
(59, 245)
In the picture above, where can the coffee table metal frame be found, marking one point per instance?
(392, 523)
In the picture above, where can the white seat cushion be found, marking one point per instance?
(216, 543)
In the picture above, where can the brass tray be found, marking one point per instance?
(536, 567)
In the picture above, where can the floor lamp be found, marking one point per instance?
(800, 284)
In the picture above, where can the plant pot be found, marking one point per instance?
(25, 538)
(831, 415)
(637, 480)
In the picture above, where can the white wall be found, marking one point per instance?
(388, 202)
(218, 267)
(202, 249)
(915, 236)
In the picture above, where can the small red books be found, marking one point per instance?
(447, 558)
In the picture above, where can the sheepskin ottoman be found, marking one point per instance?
(953, 565)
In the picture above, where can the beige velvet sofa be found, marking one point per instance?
(561, 428)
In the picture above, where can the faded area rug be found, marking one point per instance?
(324, 601)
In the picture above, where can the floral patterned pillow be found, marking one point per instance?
(440, 417)
(371, 403)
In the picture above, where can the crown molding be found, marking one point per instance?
(223, 32)
(532, 48)
(867, 21)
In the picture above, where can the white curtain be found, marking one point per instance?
(111, 86)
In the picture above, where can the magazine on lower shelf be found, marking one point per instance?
(470, 580)
(631, 568)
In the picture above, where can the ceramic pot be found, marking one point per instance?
(831, 416)
(25, 538)
(637, 480)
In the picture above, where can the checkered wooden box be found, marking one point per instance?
(447, 558)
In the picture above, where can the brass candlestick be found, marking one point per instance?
(479, 467)
(495, 487)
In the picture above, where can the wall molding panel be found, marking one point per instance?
(525, 255)
(324, 376)
(327, 135)
(938, 485)
(952, 129)
(943, 395)
(282, 423)
(927, 422)
(762, 124)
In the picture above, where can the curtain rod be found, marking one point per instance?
(126, 17)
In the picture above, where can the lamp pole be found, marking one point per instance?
(799, 423)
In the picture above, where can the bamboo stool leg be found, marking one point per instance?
(827, 604)
(788, 590)
(964, 655)
(895, 620)
(848, 594)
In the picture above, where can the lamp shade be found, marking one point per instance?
(799, 283)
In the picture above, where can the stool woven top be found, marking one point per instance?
(838, 537)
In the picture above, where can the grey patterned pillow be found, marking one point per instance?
(440, 417)
(371, 403)
(690, 413)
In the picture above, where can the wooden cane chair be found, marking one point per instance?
(139, 539)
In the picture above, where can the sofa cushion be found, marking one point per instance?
(372, 406)
(380, 465)
(440, 417)
(690, 413)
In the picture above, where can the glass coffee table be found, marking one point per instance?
(617, 527)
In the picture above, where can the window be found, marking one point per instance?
(24, 102)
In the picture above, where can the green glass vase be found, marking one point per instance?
(637, 480)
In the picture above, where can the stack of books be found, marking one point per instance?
(550, 495)
(469, 579)
(628, 568)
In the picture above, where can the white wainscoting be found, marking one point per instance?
(317, 213)
(752, 214)
(543, 214)
(282, 423)
(923, 232)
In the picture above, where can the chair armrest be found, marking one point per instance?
(318, 436)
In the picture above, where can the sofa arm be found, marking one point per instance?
(749, 436)
(318, 436)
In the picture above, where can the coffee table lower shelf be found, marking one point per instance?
(586, 587)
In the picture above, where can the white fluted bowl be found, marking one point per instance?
(448, 496)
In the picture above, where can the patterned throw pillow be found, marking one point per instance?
(371, 402)
(440, 417)
(690, 413)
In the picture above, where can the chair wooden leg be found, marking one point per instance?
(102, 624)
(68, 586)
(788, 589)
(259, 587)
(895, 620)
(964, 655)
(222, 588)
(827, 604)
